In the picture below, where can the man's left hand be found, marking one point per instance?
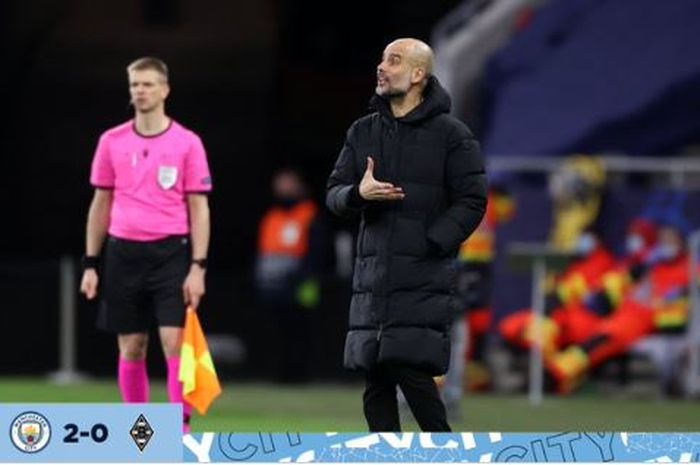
(193, 288)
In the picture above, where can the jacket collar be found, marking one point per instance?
(435, 102)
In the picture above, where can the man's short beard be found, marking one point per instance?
(395, 94)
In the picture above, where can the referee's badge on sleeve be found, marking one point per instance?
(167, 176)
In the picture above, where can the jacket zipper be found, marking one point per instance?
(392, 223)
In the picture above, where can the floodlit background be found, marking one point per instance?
(595, 99)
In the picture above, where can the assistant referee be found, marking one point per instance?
(150, 207)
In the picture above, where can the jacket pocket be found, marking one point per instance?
(420, 347)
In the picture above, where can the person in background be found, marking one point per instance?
(567, 320)
(640, 243)
(656, 303)
(289, 261)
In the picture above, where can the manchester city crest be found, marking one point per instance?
(30, 432)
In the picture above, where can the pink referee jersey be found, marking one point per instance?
(150, 176)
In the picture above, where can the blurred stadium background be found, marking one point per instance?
(273, 83)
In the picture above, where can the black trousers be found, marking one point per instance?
(381, 406)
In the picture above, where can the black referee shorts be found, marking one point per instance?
(141, 284)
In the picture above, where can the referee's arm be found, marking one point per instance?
(96, 231)
(198, 207)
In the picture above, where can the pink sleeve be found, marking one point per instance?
(102, 173)
(197, 176)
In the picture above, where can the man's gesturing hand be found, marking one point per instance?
(371, 189)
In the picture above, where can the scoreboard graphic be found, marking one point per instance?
(56, 433)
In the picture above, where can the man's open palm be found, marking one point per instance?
(371, 189)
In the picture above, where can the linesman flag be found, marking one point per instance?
(200, 385)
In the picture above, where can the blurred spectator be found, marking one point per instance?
(640, 241)
(576, 189)
(290, 257)
(568, 320)
(658, 303)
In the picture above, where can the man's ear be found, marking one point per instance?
(417, 75)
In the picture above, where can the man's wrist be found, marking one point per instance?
(200, 263)
(355, 199)
(90, 262)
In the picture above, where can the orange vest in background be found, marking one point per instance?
(481, 245)
(584, 275)
(286, 231)
(669, 284)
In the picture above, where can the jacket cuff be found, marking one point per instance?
(354, 198)
(446, 235)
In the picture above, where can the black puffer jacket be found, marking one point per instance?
(404, 280)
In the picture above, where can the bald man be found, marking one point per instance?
(415, 177)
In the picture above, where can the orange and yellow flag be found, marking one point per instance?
(200, 385)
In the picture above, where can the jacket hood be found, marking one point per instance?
(435, 102)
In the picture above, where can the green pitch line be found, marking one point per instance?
(320, 408)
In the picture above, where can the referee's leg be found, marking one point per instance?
(132, 374)
(422, 397)
(379, 401)
(166, 287)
